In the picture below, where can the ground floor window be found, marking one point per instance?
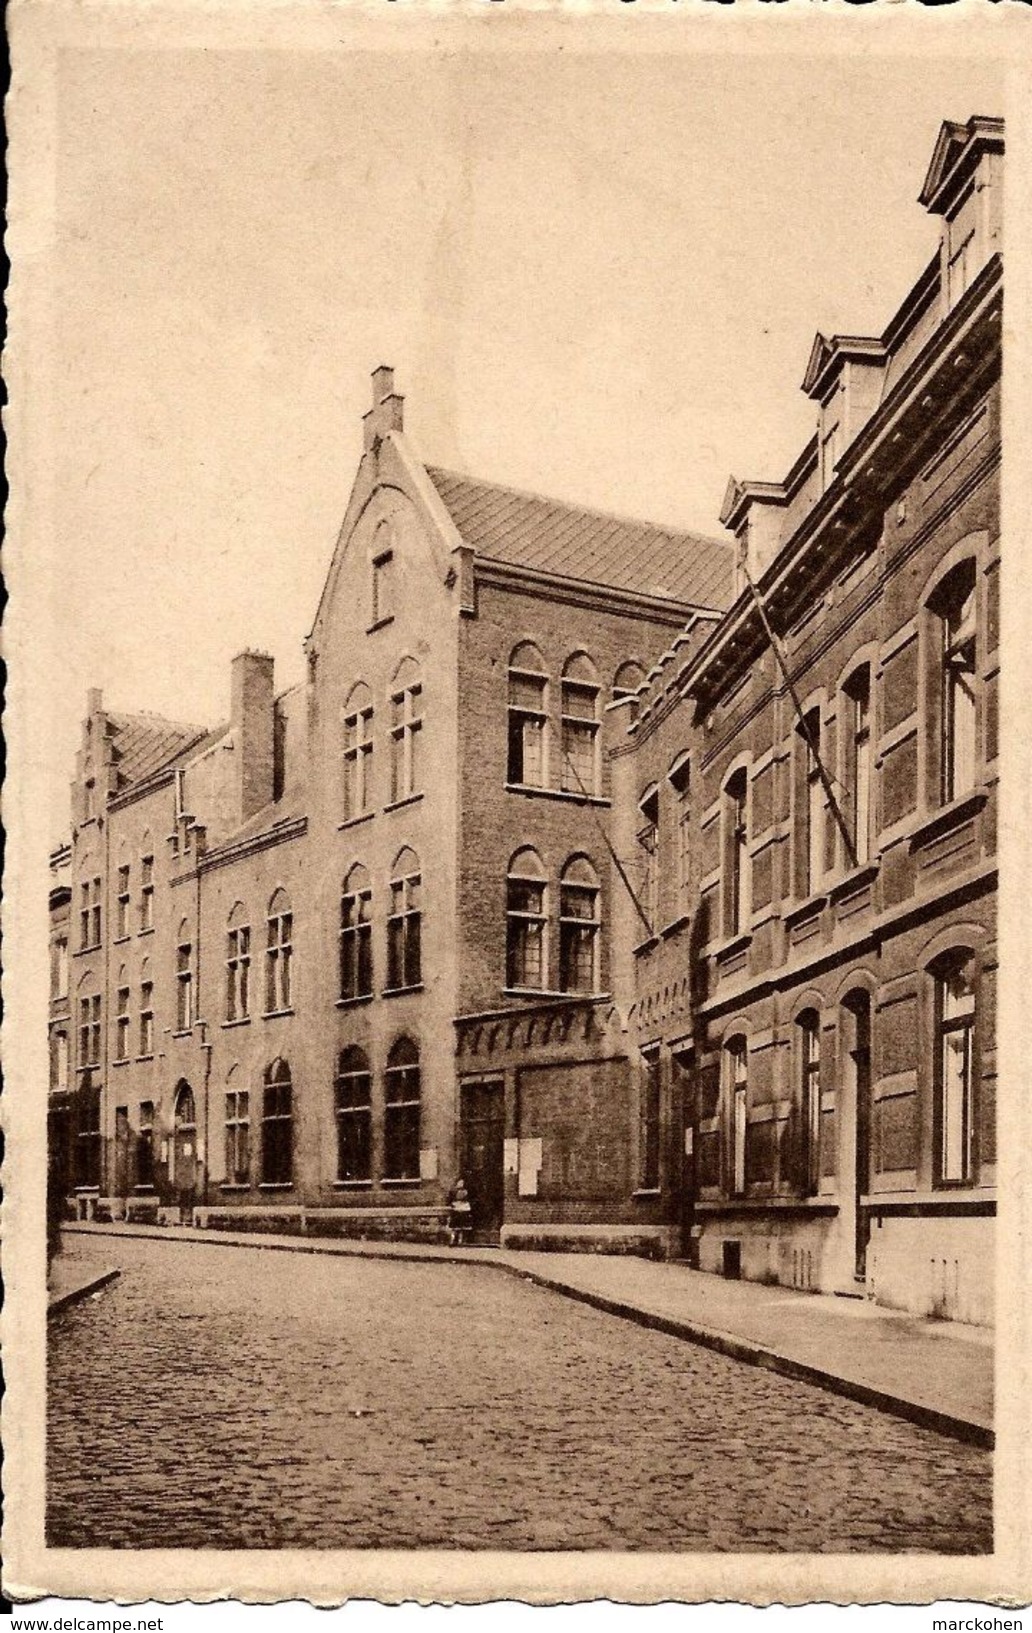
(353, 1095)
(87, 1144)
(238, 1137)
(145, 1145)
(954, 1069)
(401, 1116)
(277, 1126)
(648, 1124)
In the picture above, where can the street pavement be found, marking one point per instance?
(226, 1397)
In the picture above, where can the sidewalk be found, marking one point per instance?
(933, 1373)
(71, 1279)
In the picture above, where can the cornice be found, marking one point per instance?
(237, 851)
(581, 593)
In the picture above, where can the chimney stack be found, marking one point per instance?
(252, 719)
(387, 412)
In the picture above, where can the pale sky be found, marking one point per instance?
(596, 278)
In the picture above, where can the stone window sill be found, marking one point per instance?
(141, 1058)
(120, 941)
(680, 923)
(556, 793)
(947, 818)
(732, 946)
(399, 992)
(122, 1060)
(646, 1193)
(241, 1185)
(148, 930)
(359, 998)
(352, 1185)
(355, 821)
(811, 908)
(380, 623)
(854, 880)
(645, 946)
(400, 804)
(273, 1185)
(241, 1020)
(398, 1184)
(274, 1014)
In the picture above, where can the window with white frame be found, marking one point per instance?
(808, 1038)
(353, 1098)
(737, 882)
(527, 763)
(404, 923)
(358, 753)
(402, 1111)
(954, 1068)
(184, 980)
(581, 744)
(356, 935)
(579, 926)
(238, 965)
(277, 1125)
(810, 804)
(89, 1031)
(679, 777)
(146, 1034)
(526, 922)
(122, 904)
(858, 751)
(954, 606)
(382, 587)
(122, 1018)
(59, 967)
(736, 1066)
(648, 842)
(89, 913)
(406, 732)
(279, 950)
(238, 1136)
(147, 893)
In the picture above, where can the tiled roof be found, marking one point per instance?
(145, 743)
(525, 530)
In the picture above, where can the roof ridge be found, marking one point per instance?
(584, 510)
(151, 717)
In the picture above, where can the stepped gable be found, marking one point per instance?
(547, 535)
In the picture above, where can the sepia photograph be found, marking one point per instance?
(517, 792)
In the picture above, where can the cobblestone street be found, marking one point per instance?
(228, 1398)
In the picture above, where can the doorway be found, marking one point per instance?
(481, 1151)
(858, 1071)
(184, 1149)
(121, 1185)
(684, 1102)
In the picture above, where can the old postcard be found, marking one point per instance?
(518, 657)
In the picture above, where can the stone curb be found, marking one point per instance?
(968, 1430)
(62, 1301)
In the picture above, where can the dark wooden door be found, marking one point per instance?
(121, 1186)
(481, 1149)
(184, 1153)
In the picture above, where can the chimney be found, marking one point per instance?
(252, 720)
(94, 701)
(387, 412)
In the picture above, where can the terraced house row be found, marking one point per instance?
(643, 880)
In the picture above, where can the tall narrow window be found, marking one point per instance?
(528, 718)
(649, 1123)
(525, 922)
(146, 1039)
(737, 1068)
(122, 915)
(238, 965)
(88, 1141)
(238, 1137)
(955, 604)
(122, 1021)
(89, 1031)
(579, 924)
(358, 752)
(679, 777)
(354, 1108)
(145, 1147)
(59, 967)
(277, 1125)
(356, 935)
(811, 805)
(736, 853)
(648, 842)
(147, 893)
(809, 1044)
(184, 980)
(954, 1069)
(404, 923)
(401, 1112)
(382, 587)
(581, 768)
(61, 1061)
(90, 799)
(858, 768)
(89, 913)
(406, 732)
(279, 949)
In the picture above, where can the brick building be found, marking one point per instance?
(358, 939)
(813, 784)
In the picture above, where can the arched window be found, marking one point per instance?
(279, 949)
(123, 896)
(528, 718)
(404, 923)
(147, 884)
(406, 731)
(857, 751)
(185, 1112)
(809, 804)
(627, 679)
(277, 1125)
(184, 978)
(808, 1042)
(526, 921)
(582, 767)
(89, 1026)
(87, 1132)
(146, 1037)
(145, 1147)
(238, 965)
(356, 935)
(89, 907)
(648, 843)
(401, 1113)
(579, 922)
(736, 853)
(122, 1016)
(954, 1067)
(358, 752)
(353, 1099)
(679, 778)
(855, 1077)
(736, 1077)
(953, 606)
(238, 1130)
